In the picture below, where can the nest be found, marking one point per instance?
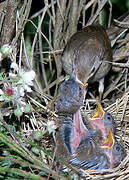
(120, 111)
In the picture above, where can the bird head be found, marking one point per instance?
(119, 153)
(114, 150)
(79, 79)
(109, 122)
(70, 97)
(97, 121)
(104, 121)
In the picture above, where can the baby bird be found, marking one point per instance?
(70, 97)
(114, 150)
(87, 54)
(73, 136)
(90, 155)
(104, 121)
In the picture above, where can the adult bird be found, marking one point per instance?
(87, 54)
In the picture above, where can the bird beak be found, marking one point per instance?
(84, 84)
(99, 114)
(109, 142)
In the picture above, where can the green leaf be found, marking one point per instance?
(67, 76)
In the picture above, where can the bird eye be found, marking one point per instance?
(118, 148)
(109, 117)
(60, 100)
(65, 89)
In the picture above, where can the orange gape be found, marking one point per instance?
(104, 122)
(110, 141)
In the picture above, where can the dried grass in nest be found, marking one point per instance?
(120, 111)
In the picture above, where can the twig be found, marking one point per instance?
(23, 15)
(113, 86)
(42, 59)
(118, 57)
(9, 22)
(110, 13)
(38, 104)
(122, 24)
(97, 12)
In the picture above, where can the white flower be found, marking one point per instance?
(27, 88)
(2, 98)
(1, 92)
(0, 56)
(21, 91)
(14, 66)
(28, 77)
(1, 95)
(18, 91)
(12, 75)
(51, 126)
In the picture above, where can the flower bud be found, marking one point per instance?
(18, 112)
(6, 49)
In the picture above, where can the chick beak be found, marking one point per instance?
(99, 114)
(109, 142)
